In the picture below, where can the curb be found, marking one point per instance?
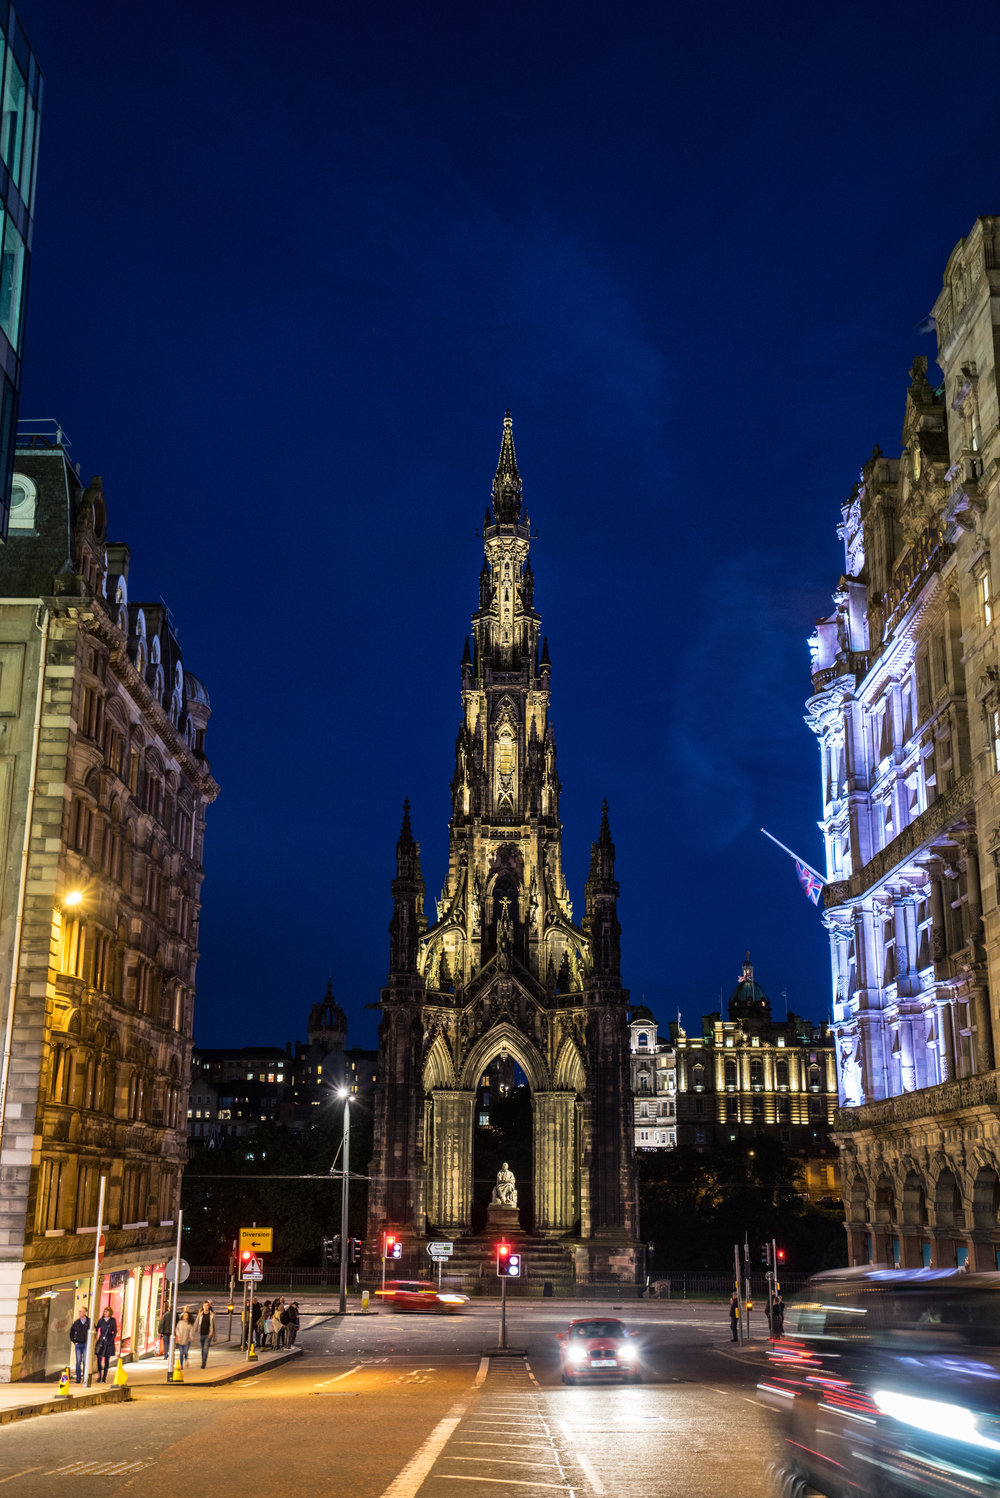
(245, 1370)
(61, 1406)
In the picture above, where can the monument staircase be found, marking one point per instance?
(544, 1261)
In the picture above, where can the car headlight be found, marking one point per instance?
(933, 1416)
(452, 1300)
(628, 1352)
(576, 1352)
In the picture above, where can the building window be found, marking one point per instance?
(643, 1039)
(781, 1072)
(995, 733)
(983, 584)
(643, 1110)
(730, 1071)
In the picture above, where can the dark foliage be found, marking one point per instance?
(302, 1212)
(695, 1206)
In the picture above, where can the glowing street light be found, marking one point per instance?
(344, 1092)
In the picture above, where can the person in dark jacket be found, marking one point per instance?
(78, 1334)
(292, 1329)
(204, 1322)
(164, 1329)
(106, 1332)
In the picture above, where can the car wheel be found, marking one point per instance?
(568, 1378)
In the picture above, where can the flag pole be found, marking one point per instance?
(821, 877)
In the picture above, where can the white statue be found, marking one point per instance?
(504, 1194)
(850, 1071)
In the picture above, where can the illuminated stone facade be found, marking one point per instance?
(906, 708)
(751, 1076)
(504, 969)
(103, 791)
(654, 1083)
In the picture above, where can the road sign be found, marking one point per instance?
(185, 1271)
(257, 1239)
(444, 1249)
(251, 1270)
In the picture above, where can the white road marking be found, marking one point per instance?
(484, 1368)
(406, 1482)
(96, 1469)
(511, 1482)
(337, 1377)
(22, 1473)
(507, 1445)
(503, 1461)
(590, 1474)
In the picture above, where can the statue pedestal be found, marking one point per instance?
(504, 1220)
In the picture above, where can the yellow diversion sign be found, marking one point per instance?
(256, 1239)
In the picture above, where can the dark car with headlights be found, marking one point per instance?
(889, 1384)
(598, 1347)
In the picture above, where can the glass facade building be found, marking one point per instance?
(20, 118)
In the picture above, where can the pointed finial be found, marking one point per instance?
(507, 483)
(466, 653)
(406, 831)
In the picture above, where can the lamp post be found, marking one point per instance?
(345, 1242)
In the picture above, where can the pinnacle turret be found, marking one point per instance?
(507, 483)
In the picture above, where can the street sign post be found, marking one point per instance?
(251, 1270)
(258, 1240)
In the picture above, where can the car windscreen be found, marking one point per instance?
(597, 1329)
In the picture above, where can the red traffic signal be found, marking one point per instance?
(503, 1256)
(779, 1254)
(393, 1247)
(246, 1255)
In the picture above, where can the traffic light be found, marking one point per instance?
(393, 1247)
(245, 1257)
(765, 1255)
(779, 1254)
(508, 1263)
(354, 1249)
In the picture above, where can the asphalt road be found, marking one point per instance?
(395, 1405)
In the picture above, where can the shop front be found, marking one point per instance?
(134, 1294)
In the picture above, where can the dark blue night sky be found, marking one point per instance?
(292, 263)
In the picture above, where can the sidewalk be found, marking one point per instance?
(227, 1362)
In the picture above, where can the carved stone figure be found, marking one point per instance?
(504, 1192)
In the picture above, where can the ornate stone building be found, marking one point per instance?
(504, 970)
(654, 1083)
(103, 791)
(906, 709)
(751, 1076)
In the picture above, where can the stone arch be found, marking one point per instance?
(986, 1199)
(949, 1207)
(914, 1199)
(501, 1037)
(439, 1068)
(885, 1198)
(570, 1075)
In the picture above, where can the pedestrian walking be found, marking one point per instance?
(205, 1322)
(777, 1316)
(182, 1337)
(164, 1329)
(734, 1314)
(293, 1323)
(78, 1334)
(106, 1332)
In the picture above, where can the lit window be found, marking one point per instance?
(281, 1076)
(249, 1076)
(995, 726)
(984, 596)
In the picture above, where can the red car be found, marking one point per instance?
(599, 1347)
(417, 1295)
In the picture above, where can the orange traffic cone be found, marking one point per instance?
(63, 1390)
(121, 1377)
(178, 1374)
(252, 1354)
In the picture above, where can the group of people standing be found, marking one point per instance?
(273, 1324)
(105, 1340)
(774, 1310)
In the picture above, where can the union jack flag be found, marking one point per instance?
(811, 883)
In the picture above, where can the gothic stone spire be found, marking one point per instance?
(507, 483)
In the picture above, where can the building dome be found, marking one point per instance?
(194, 691)
(748, 1000)
(643, 1015)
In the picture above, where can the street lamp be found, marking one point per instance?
(344, 1093)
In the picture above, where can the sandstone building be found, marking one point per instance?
(104, 786)
(654, 1083)
(906, 709)
(751, 1076)
(504, 970)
